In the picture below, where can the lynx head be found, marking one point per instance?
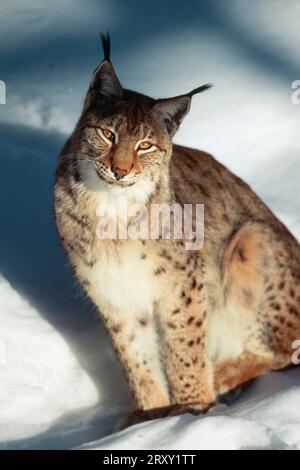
(124, 137)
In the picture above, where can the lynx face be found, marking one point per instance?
(123, 138)
(125, 142)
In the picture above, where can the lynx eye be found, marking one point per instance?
(145, 146)
(106, 135)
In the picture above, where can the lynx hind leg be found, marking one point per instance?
(282, 310)
(261, 272)
(235, 372)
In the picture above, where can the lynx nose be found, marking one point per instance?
(119, 172)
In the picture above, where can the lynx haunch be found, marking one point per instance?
(187, 326)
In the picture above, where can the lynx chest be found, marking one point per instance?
(123, 275)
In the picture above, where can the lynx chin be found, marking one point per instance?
(187, 325)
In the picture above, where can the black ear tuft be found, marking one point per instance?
(105, 38)
(105, 80)
(199, 89)
(174, 109)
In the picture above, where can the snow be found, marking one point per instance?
(263, 421)
(60, 383)
(40, 378)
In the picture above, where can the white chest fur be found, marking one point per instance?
(125, 280)
(120, 276)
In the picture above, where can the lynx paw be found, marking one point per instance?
(135, 417)
(139, 416)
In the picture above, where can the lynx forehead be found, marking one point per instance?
(185, 325)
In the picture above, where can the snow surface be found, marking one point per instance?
(270, 423)
(60, 384)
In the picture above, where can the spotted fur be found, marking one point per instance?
(186, 325)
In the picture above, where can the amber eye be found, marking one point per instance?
(108, 134)
(144, 146)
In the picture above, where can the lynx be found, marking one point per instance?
(187, 325)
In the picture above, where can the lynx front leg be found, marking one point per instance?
(135, 341)
(188, 368)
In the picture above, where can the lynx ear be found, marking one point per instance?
(105, 80)
(173, 110)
